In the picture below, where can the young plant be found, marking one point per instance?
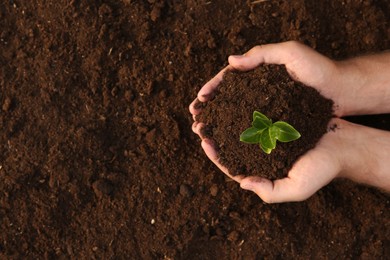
(265, 133)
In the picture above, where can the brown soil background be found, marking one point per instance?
(97, 159)
(269, 90)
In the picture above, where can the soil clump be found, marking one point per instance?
(269, 90)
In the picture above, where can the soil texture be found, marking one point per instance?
(269, 90)
(97, 156)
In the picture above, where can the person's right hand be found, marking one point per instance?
(348, 151)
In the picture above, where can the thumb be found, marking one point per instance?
(276, 53)
(282, 190)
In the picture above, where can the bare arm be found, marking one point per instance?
(366, 157)
(364, 83)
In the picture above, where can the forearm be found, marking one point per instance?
(365, 84)
(368, 158)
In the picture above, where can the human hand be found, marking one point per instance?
(358, 86)
(349, 151)
(318, 166)
(311, 172)
(302, 63)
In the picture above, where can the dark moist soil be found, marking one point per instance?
(97, 156)
(271, 91)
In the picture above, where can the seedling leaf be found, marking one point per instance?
(258, 114)
(265, 133)
(267, 139)
(261, 123)
(266, 150)
(286, 133)
(250, 136)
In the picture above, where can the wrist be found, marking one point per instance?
(349, 81)
(364, 85)
(365, 155)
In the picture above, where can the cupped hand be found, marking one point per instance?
(349, 151)
(304, 65)
(310, 172)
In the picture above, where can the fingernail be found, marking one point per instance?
(194, 125)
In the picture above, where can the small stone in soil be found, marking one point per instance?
(214, 190)
(7, 104)
(233, 236)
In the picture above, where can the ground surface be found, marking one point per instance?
(97, 158)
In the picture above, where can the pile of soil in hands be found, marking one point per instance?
(269, 90)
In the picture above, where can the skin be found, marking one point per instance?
(357, 86)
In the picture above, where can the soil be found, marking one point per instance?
(97, 157)
(271, 91)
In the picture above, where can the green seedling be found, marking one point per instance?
(265, 133)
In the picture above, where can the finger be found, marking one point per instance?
(194, 125)
(195, 107)
(238, 178)
(277, 53)
(206, 93)
(310, 173)
(209, 148)
(199, 130)
(283, 190)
